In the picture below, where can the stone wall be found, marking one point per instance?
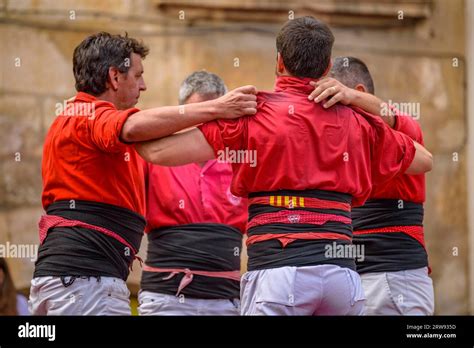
(420, 60)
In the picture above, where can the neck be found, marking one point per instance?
(283, 73)
(109, 96)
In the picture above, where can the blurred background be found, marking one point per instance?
(418, 51)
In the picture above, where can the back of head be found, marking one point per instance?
(351, 72)
(97, 53)
(305, 45)
(202, 83)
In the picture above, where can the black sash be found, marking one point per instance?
(376, 213)
(388, 251)
(271, 253)
(77, 251)
(200, 247)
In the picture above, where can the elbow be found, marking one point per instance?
(421, 164)
(424, 165)
(426, 161)
(128, 133)
(132, 131)
(428, 166)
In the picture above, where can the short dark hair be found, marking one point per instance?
(352, 71)
(305, 45)
(97, 53)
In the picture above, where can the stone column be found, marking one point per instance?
(470, 142)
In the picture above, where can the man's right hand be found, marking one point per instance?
(332, 91)
(239, 102)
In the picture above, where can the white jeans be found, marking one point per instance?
(153, 303)
(399, 293)
(313, 290)
(85, 296)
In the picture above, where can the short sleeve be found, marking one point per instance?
(106, 126)
(392, 152)
(406, 124)
(226, 133)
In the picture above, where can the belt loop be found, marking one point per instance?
(68, 282)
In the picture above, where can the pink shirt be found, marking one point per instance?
(191, 194)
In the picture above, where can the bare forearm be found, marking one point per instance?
(160, 122)
(177, 149)
(423, 161)
(374, 105)
(159, 151)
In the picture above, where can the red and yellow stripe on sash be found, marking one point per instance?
(292, 202)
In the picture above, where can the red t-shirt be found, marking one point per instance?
(191, 194)
(300, 145)
(409, 188)
(84, 159)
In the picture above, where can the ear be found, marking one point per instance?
(360, 87)
(280, 65)
(113, 77)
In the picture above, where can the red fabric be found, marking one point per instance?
(409, 188)
(302, 202)
(287, 238)
(191, 194)
(300, 145)
(415, 232)
(296, 217)
(84, 159)
(189, 274)
(48, 222)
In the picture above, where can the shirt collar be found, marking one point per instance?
(89, 98)
(295, 84)
(84, 97)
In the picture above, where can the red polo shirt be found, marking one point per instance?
(192, 194)
(84, 159)
(300, 145)
(409, 188)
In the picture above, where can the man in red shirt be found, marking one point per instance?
(312, 165)
(195, 227)
(389, 225)
(93, 189)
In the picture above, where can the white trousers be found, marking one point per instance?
(153, 303)
(399, 293)
(313, 290)
(84, 296)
